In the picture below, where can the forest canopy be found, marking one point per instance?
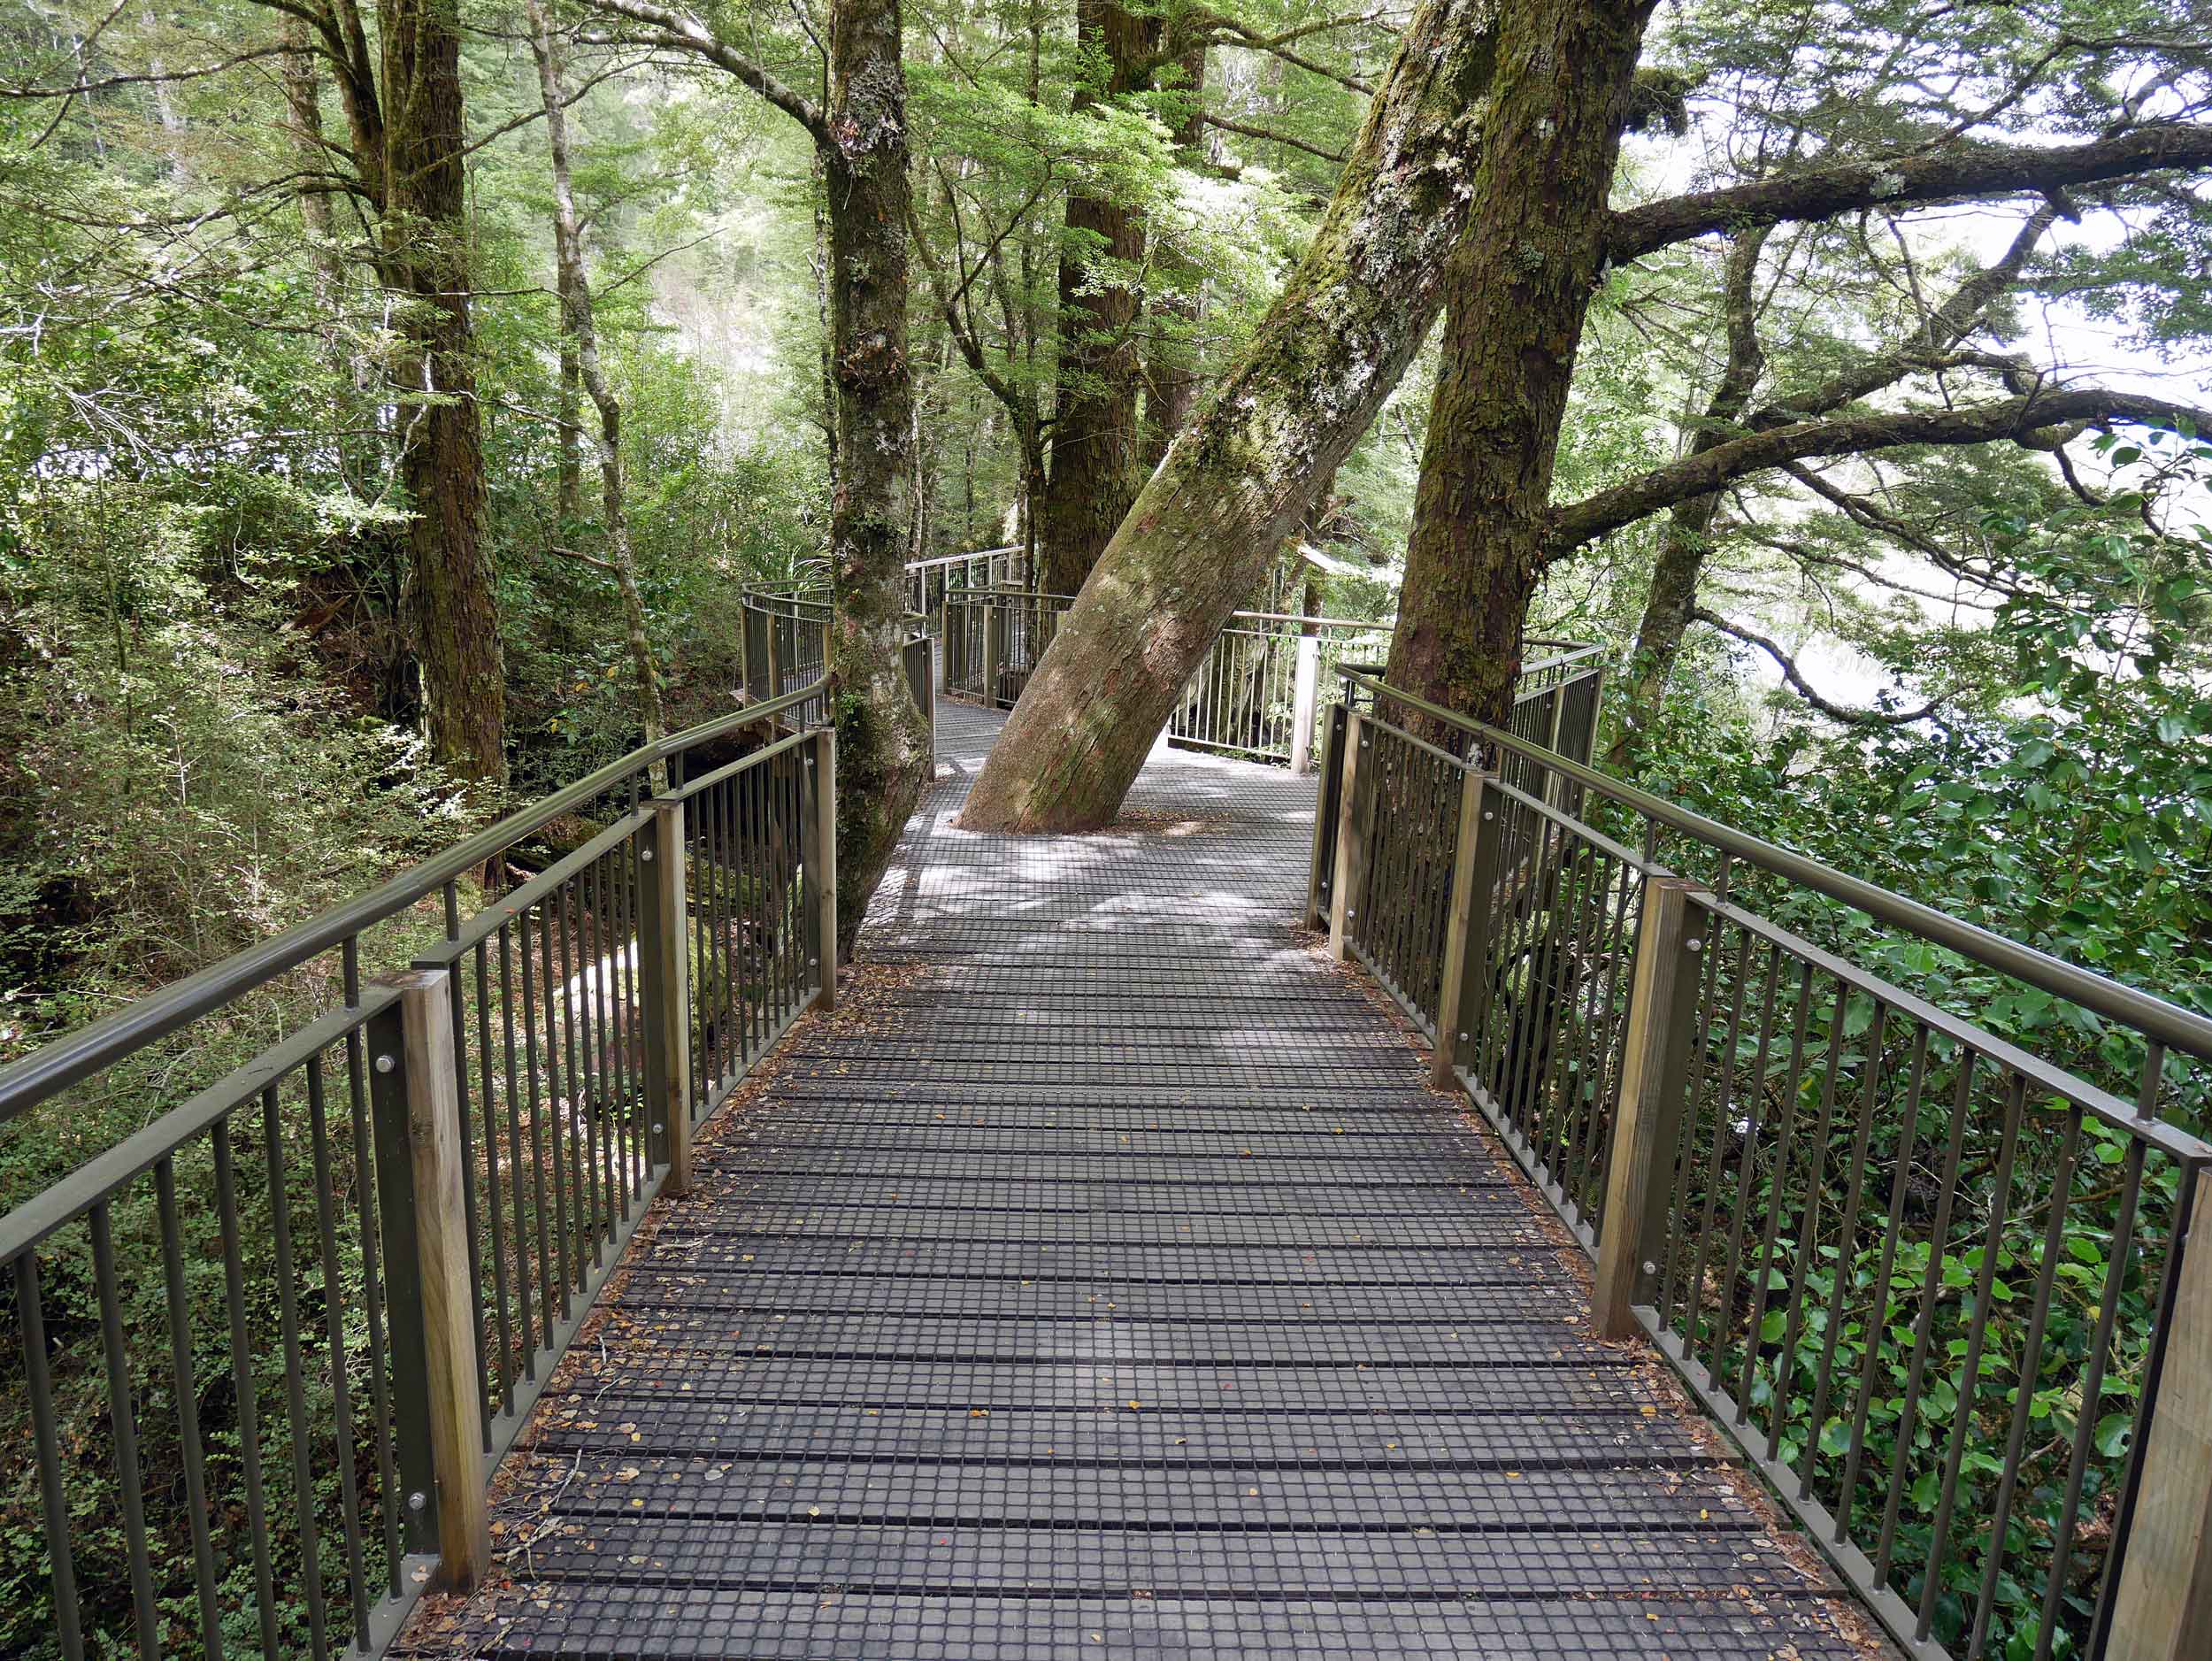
(397, 398)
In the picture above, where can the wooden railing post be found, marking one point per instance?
(993, 642)
(2162, 1611)
(1467, 931)
(1325, 814)
(1305, 702)
(819, 857)
(664, 991)
(1351, 835)
(437, 1380)
(1647, 1124)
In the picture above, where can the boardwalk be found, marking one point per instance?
(1104, 1281)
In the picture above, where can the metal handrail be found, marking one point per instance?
(2169, 1023)
(66, 1060)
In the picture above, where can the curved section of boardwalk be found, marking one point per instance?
(1104, 1281)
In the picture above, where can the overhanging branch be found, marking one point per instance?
(1844, 712)
(1950, 174)
(2028, 421)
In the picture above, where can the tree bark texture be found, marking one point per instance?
(1212, 518)
(1171, 367)
(1520, 294)
(1097, 467)
(884, 753)
(453, 595)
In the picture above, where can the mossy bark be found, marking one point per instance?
(1172, 382)
(1520, 296)
(1212, 518)
(884, 756)
(453, 603)
(1096, 469)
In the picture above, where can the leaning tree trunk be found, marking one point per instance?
(1095, 466)
(884, 757)
(1520, 296)
(1213, 517)
(454, 604)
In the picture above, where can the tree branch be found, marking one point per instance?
(1798, 684)
(680, 31)
(1227, 126)
(2027, 421)
(1948, 176)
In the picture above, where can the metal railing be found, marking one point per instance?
(1260, 690)
(372, 1241)
(786, 645)
(1939, 1289)
(929, 581)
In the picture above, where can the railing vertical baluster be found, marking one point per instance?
(1468, 935)
(499, 1380)
(818, 817)
(1661, 1014)
(1999, 1517)
(591, 1083)
(1847, 1245)
(294, 1373)
(399, 1216)
(2118, 1262)
(247, 1405)
(1322, 861)
(123, 1420)
(1351, 836)
(46, 1435)
(994, 643)
(192, 1454)
(334, 1328)
(664, 990)
(2161, 1609)
(418, 1107)
(546, 1276)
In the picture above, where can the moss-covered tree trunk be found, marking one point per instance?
(1172, 364)
(884, 757)
(1097, 467)
(1212, 518)
(453, 609)
(1520, 294)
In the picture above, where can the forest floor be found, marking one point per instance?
(1104, 1277)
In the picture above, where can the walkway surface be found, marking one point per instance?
(1104, 1280)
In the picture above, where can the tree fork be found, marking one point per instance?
(1213, 516)
(1520, 296)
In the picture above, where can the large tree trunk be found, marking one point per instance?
(579, 343)
(1095, 469)
(1170, 372)
(453, 594)
(1683, 539)
(1213, 517)
(1520, 296)
(884, 756)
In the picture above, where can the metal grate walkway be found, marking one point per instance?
(1104, 1280)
